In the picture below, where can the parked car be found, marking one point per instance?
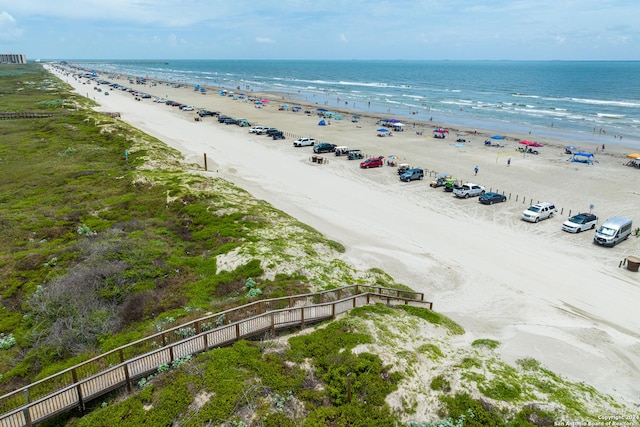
(278, 135)
(324, 147)
(535, 213)
(259, 130)
(272, 131)
(491, 198)
(205, 113)
(374, 162)
(580, 222)
(412, 174)
(304, 142)
(222, 118)
(468, 190)
(187, 108)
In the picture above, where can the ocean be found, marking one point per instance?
(591, 101)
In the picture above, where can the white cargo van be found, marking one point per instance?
(613, 231)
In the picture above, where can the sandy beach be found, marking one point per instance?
(541, 292)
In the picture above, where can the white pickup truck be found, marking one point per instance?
(468, 190)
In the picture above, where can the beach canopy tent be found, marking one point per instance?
(634, 156)
(497, 137)
(383, 132)
(581, 157)
(530, 143)
(322, 123)
(441, 130)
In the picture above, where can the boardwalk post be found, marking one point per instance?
(273, 327)
(368, 298)
(302, 318)
(333, 310)
(237, 331)
(126, 371)
(354, 301)
(74, 375)
(25, 411)
(27, 416)
(206, 342)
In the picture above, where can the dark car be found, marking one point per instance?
(374, 162)
(324, 147)
(272, 131)
(278, 135)
(491, 198)
(222, 118)
(412, 174)
(205, 113)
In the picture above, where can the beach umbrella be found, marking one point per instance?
(383, 130)
(264, 101)
(497, 137)
(322, 109)
(634, 155)
(392, 156)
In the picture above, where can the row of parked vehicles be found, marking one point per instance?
(611, 232)
(273, 133)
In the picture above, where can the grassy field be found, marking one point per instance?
(97, 251)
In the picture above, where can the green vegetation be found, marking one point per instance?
(434, 318)
(97, 250)
(485, 342)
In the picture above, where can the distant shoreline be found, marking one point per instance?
(381, 100)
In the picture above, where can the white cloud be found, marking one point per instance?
(343, 38)
(264, 40)
(9, 29)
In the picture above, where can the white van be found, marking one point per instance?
(613, 231)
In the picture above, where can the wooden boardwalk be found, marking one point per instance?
(124, 366)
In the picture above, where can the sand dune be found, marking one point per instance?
(540, 291)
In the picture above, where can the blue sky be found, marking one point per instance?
(312, 29)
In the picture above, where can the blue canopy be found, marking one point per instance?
(581, 157)
(497, 137)
(322, 123)
(383, 130)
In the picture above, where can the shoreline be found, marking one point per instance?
(541, 292)
(333, 99)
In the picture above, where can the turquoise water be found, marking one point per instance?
(596, 101)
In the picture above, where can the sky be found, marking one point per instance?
(313, 29)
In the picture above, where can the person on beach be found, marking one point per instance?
(475, 170)
(509, 162)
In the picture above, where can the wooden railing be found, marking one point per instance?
(123, 366)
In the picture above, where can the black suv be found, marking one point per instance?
(205, 113)
(272, 131)
(324, 147)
